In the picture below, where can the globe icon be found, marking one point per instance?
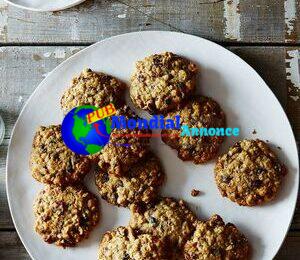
(81, 137)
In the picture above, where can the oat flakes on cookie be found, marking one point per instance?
(93, 88)
(141, 183)
(214, 240)
(199, 112)
(52, 162)
(65, 216)
(250, 173)
(124, 243)
(161, 82)
(125, 147)
(168, 218)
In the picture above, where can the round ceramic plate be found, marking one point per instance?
(44, 6)
(248, 102)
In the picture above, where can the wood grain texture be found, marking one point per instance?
(11, 248)
(255, 21)
(228, 20)
(86, 23)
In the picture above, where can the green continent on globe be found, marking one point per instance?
(80, 129)
(93, 148)
(107, 125)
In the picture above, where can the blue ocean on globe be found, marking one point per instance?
(81, 137)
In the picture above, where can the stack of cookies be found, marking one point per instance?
(65, 210)
(131, 175)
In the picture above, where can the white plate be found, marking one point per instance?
(44, 5)
(246, 99)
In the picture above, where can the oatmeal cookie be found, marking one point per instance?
(200, 112)
(250, 173)
(52, 162)
(168, 218)
(161, 82)
(91, 88)
(65, 216)
(216, 241)
(125, 243)
(140, 184)
(125, 147)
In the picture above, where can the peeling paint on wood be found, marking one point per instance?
(122, 16)
(74, 32)
(59, 53)
(3, 21)
(232, 20)
(290, 15)
(74, 50)
(293, 74)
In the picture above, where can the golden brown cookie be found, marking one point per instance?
(200, 112)
(140, 184)
(168, 218)
(250, 173)
(124, 243)
(161, 82)
(216, 241)
(91, 88)
(125, 147)
(65, 216)
(52, 162)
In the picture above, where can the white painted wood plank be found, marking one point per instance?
(228, 20)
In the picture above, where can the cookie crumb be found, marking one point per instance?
(278, 147)
(254, 132)
(195, 193)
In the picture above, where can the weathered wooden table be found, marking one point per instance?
(264, 33)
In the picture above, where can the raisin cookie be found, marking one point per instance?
(125, 243)
(125, 147)
(91, 88)
(65, 216)
(52, 162)
(140, 184)
(216, 241)
(250, 173)
(168, 218)
(161, 82)
(200, 112)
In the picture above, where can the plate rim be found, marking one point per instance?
(77, 2)
(86, 49)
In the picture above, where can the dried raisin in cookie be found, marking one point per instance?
(52, 162)
(216, 241)
(168, 218)
(65, 216)
(91, 88)
(250, 173)
(125, 147)
(125, 243)
(200, 112)
(161, 82)
(140, 184)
